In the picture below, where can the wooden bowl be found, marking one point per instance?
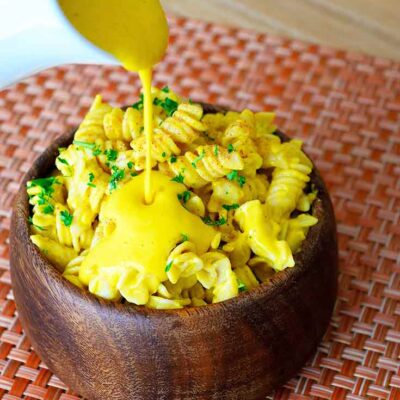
(242, 348)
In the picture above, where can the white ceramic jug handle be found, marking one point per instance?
(35, 35)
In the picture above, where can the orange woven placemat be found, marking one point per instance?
(347, 109)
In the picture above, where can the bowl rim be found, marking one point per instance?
(322, 209)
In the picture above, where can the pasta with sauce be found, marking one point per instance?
(235, 173)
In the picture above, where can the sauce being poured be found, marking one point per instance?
(149, 221)
(136, 33)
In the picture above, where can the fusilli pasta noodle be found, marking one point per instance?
(235, 173)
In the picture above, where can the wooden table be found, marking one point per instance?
(369, 26)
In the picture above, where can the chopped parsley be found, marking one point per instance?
(36, 226)
(165, 89)
(48, 208)
(172, 159)
(62, 160)
(44, 183)
(229, 207)
(129, 164)
(139, 104)
(208, 221)
(164, 154)
(46, 192)
(96, 151)
(216, 150)
(185, 237)
(241, 286)
(234, 176)
(230, 148)
(61, 149)
(111, 154)
(241, 180)
(116, 176)
(198, 158)
(168, 266)
(179, 178)
(184, 196)
(169, 105)
(85, 145)
(134, 173)
(66, 218)
(91, 179)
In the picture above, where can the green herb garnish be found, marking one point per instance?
(30, 221)
(198, 158)
(229, 207)
(241, 286)
(164, 154)
(207, 220)
(216, 150)
(129, 164)
(185, 237)
(66, 218)
(172, 159)
(111, 154)
(179, 178)
(48, 208)
(165, 89)
(139, 104)
(62, 160)
(184, 196)
(241, 180)
(230, 148)
(234, 176)
(96, 151)
(169, 105)
(85, 145)
(116, 176)
(91, 179)
(46, 184)
(168, 266)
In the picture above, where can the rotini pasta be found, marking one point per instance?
(211, 162)
(251, 191)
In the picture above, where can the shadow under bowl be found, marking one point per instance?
(242, 348)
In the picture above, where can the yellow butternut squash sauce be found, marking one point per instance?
(148, 217)
(145, 234)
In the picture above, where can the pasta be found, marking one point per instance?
(236, 175)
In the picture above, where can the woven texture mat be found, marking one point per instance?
(346, 107)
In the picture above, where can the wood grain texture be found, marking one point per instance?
(238, 349)
(369, 26)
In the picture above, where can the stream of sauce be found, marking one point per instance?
(149, 220)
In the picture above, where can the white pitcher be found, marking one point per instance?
(35, 35)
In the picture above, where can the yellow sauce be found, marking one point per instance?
(145, 234)
(149, 221)
(145, 77)
(133, 31)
